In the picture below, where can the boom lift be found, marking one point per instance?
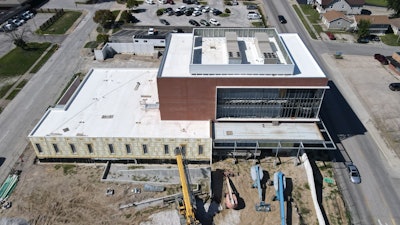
(230, 198)
(257, 175)
(280, 185)
(186, 207)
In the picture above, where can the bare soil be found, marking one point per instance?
(74, 194)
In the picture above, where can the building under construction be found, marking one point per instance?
(217, 92)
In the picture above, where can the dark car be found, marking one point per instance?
(374, 37)
(165, 22)
(282, 19)
(179, 13)
(204, 22)
(194, 23)
(216, 12)
(354, 174)
(381, 58)
(394, 86)
(363, 40)
(251, 7)
(365, 12)
(331, 35)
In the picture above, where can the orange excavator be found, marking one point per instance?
(230, 197)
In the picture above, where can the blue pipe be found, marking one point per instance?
(280, 198)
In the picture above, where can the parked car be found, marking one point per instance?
(151, 31)
(354, 175)
(177, 30)
(381, 58)
(206, 9)
(363, 40)
(204, 22)
(178, 13)
(151, 2)
(196, 13)
(374, 37)
(165, 22)
(365, 12)
(253, 16)
(251, 7)
(331, 35)
(214, 22)
(194, 23)
(282, 19)
(216, 12)
(394, 86)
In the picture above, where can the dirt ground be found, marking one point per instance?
(74, 194)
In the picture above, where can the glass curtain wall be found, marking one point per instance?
(268, 103)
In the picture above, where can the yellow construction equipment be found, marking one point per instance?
(186, 207)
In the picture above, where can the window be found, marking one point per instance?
(55, 147)
(144, 149)
(200, 149)
(90, 148)
(39, 148)
(183, 149)
(166, 149)
(128, 149)
(73, 149)
(111, 148)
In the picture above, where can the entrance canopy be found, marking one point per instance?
(253, 136)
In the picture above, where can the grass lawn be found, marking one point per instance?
(4, 89)
(312, 14)
(376, 2)
(44, 59)
(391, 39)
(304, 21)
(62, 24)
(13, 93)
(18, 60)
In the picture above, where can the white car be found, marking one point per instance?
(151, 31)
(196, 13)
(214, 22)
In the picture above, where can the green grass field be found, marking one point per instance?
(18, 60)
(376, 2)
(44, 59)
(62, 24)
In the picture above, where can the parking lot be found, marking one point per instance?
(238, 16)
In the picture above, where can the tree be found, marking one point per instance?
(127, 17)
(395, 5)
(104, 17)
(131, 4)
(363, 28)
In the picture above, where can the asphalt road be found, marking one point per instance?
(376, 199)
(22, 114)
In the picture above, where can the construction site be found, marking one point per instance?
(136, 194)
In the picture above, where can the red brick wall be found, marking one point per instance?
(194, 98)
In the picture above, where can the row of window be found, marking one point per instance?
(111, 148)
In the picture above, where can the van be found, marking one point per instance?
(253, 16)
(151, 2)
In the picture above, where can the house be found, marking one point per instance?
(351, 7)
(395, 24)
(379, 23)
(218, 92)
(336, 20)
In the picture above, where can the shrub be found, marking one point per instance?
(160, 12)
(227, 10)
(102, 38)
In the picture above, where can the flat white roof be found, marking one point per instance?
(117, 103)
(267, 131)
(178, 60)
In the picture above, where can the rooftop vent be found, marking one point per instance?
(264, 49)
(233, 48)
(107, 116)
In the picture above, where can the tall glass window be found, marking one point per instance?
(268, 103)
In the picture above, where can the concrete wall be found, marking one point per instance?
(155, 147)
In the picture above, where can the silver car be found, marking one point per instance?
(354, 174)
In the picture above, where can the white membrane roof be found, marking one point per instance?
(117, 103)
(179, 56)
